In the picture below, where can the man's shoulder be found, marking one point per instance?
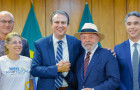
(122, 44)
(43, 39)
(103, 50)
(71, 38)
(105, 54)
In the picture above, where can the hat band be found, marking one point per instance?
(88, 30)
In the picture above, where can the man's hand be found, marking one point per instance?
(112, 51)
(63, 66)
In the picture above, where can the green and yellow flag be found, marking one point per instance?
(31, 30)
(86, 18)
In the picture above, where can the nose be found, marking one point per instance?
(60, 24)
(86, 40)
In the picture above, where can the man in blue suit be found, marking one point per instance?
(45, 64)
(96, 68)
(6, 26)
(129, 70)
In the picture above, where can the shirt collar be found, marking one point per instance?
(131, 42)
(55, 40)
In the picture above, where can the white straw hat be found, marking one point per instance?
(89, 28)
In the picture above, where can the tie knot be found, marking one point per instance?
(135, 45)
(60, 42)
(88, 53)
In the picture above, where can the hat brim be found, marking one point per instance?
(101, 36)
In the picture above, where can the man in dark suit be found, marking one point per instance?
(128, 54)
(96, 68)
(45, 63)
(6, 26)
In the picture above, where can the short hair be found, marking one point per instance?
(134, 13)
(8, 39)
(7, 13)
(60, 12)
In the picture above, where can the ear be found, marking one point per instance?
(98, 38)
(7, 46)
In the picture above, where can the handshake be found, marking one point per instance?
(63, 66)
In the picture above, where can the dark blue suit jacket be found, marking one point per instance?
(44, 65)
(123, 54)
(102, 72)
(25, 48)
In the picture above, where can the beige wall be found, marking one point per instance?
(108, 15)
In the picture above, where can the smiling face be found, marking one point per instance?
(59, 25)
(14, 46)
(89, 41)
(133, 27)
(6, 24)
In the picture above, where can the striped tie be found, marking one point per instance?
(135, 66)
(86, 63)
(59, 55)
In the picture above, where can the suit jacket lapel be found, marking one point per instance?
(92, 63)
(70, 49)
(82, 66)
(51, 51)
(128, 53)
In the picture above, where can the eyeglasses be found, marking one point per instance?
(15, 42)
(4, 22)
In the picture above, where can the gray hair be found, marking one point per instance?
(7, 13)
(60, 12)
(134, 13)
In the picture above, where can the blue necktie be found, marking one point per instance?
(135, 66)
(59, 55)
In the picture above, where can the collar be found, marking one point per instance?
(131, 42)
(55, 40)
(93, 50)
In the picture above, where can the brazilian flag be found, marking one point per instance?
(31, 32)
(86, 18)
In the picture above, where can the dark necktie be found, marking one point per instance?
(135, 66)
(86, 63)
(59, 55)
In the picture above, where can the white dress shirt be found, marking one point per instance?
(132, 47)
(65, 54)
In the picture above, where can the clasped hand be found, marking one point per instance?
(63, 66)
